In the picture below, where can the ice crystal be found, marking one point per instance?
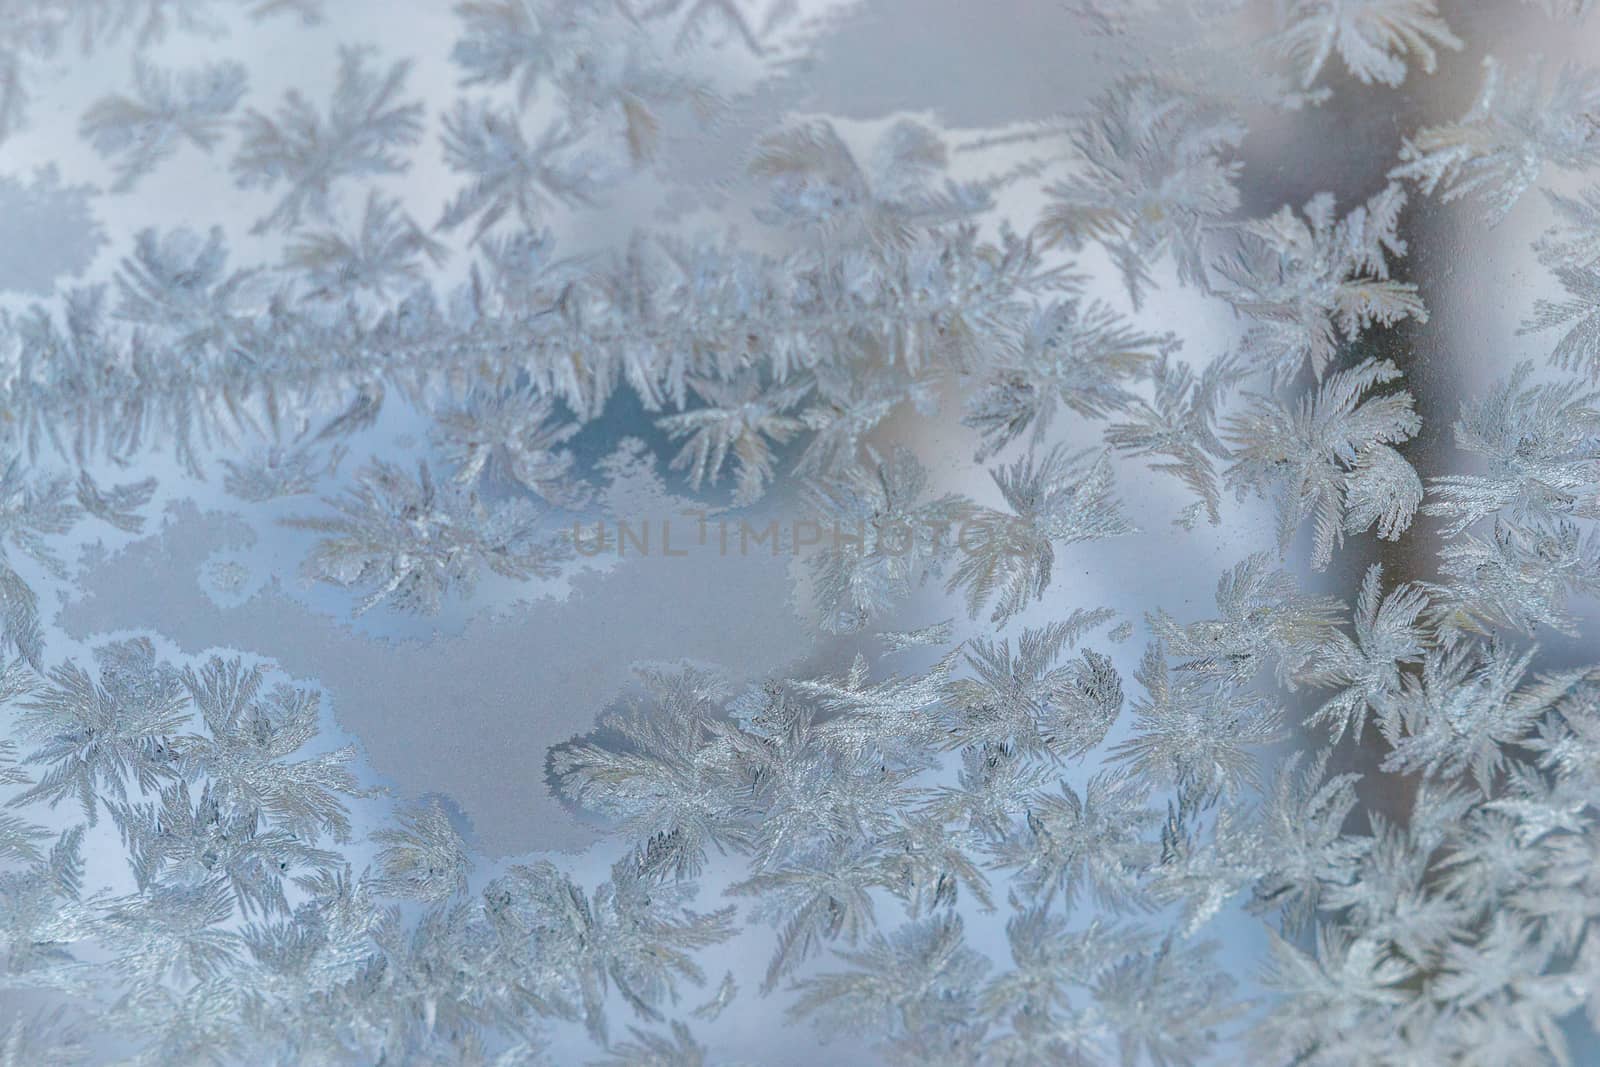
(1330, 458)
(1314, 283)
(1072, 357)
(886, 540)
(1061, 498)
(415, 540)
(1178, 424)
(738, 420)
(106, 734)
(509, 174)
(1026, 702)
(1542, 444)
(1500, 147)
(1367, 671)
(1372, 37)
(1158, 175)
(146, 128)
(365, 125)
(390, 250)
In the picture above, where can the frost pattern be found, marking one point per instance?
(1013, 836)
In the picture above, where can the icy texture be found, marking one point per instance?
(549, 532)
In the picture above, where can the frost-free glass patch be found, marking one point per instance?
(686, 532)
